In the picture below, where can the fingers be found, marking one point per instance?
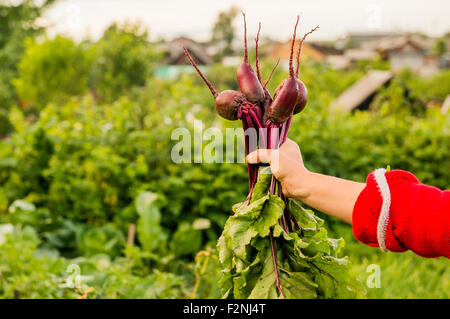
(266, 155)
(271, 157)
(260, 156)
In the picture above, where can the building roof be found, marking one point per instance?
(282, 50)
(398, 44)
(372, 35)
(358, 55)
(338, 62)
(362, 91)
(175, 55)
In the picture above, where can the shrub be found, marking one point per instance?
(122, 59)
(51, 71)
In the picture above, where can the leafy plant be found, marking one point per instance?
(261, 260)
(106, 239)
(149, 229)
(83, 163)
(28, 271)
(51, 71)
(17, 24)
(123, 58)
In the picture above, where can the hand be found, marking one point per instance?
(287, 167)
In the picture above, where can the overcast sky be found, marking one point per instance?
(194, 18)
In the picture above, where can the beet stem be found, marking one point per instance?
(295, 223)
(288, 214)
(291, 67)
(245, 126)
(282, 133)
(211, 88)
(253, 182)
(300, 48)
(275, 267)
(248, 121)
(293, 219)
(245, 39)
(271, 73)
(258, 72)
(283, 217)
(286, 126)
(255, 118)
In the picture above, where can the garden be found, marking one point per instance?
(92, 204)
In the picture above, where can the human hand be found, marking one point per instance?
(287, 167)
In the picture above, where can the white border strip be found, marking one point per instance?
(383, 220)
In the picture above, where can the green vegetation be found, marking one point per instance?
(307, 261)
(88, 156)
(51, 71)
(122, 59)
(16, 25)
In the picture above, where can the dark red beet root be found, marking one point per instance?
(302, 97)
(284, 101)
(286, 94)
(247, 78)
(228, 103)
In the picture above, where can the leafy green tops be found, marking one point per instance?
(261, 260)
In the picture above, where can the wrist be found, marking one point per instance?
(301, 181)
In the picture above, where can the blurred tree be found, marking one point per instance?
(16, 23)
(51, 71)
(440, 46)
(223, 32)
(123, 58)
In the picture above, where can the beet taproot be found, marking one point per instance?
(286, 95)
(247, 78)
(227, 102)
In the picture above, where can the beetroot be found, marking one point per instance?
(302, 97)
(247, 78)
(266, 122)
(286, 94)
(228, 102)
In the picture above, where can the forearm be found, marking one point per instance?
(330, 195)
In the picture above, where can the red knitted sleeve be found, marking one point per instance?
(419, 215)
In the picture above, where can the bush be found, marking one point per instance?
(31, 272)
(122, 59)
(86, 163)
(51, 71)
(5, 126)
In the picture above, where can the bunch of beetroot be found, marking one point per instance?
(269, 116)
(272, 247)
(254, 105)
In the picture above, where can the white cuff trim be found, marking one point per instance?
(383, 220)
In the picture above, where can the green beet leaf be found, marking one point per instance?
(306, 259)
(149, 230)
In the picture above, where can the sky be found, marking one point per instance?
(82, 19)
